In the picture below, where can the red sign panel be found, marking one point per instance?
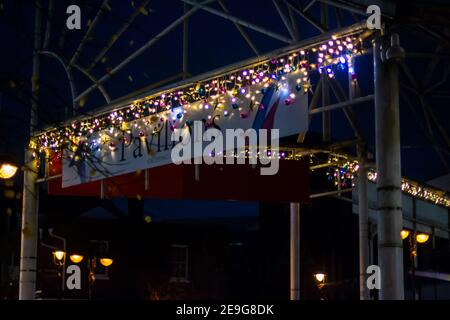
(216, 182)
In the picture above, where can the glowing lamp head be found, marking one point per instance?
(404, 234)
(7, 170)
(59, 255)
(106, 262)
(76, 258)
(320, 277)
(422, 237)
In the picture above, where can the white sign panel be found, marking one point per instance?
(146, 143)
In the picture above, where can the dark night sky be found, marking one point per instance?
(214, 42)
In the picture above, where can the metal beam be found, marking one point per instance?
(154, 85)
(313, 104)
(409, 76)
(316, 96)
(241, 22)
(348, 7)
(138, 52)
(434, 34)
(436, 122)
(73, 89)
(62, 37)
(70, 78)
(88, 33)
(430, 115)
(305, 44)
(326, 121)
(444, 77)
(432, 64)
(142, 49)
(339, 105)
(305, 16)
(339, 18)
(284, 18)
(309, 5)
(185, 43)
(330, 193)
(341, 96)
(429, 135)
(49, 24)
(293, 23)
(117, 35)
(95, 81)
(241, 30)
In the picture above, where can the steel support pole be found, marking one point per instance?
(363, 231)
(29, 231)
(326, 123)
(363, 207)
(29, 228)
(387, 132)
(413, 252)
(295, 251)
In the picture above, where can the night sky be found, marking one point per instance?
(214, 42)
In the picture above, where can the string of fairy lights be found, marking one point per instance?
(344, 174)
(327, 57)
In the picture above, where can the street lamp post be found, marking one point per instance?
(59, 259)
(29, 229)
(320, 282)
(414, 238)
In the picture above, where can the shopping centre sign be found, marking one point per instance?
(148, 142)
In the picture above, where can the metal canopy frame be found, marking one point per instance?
(130, 98)
(288, 11)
